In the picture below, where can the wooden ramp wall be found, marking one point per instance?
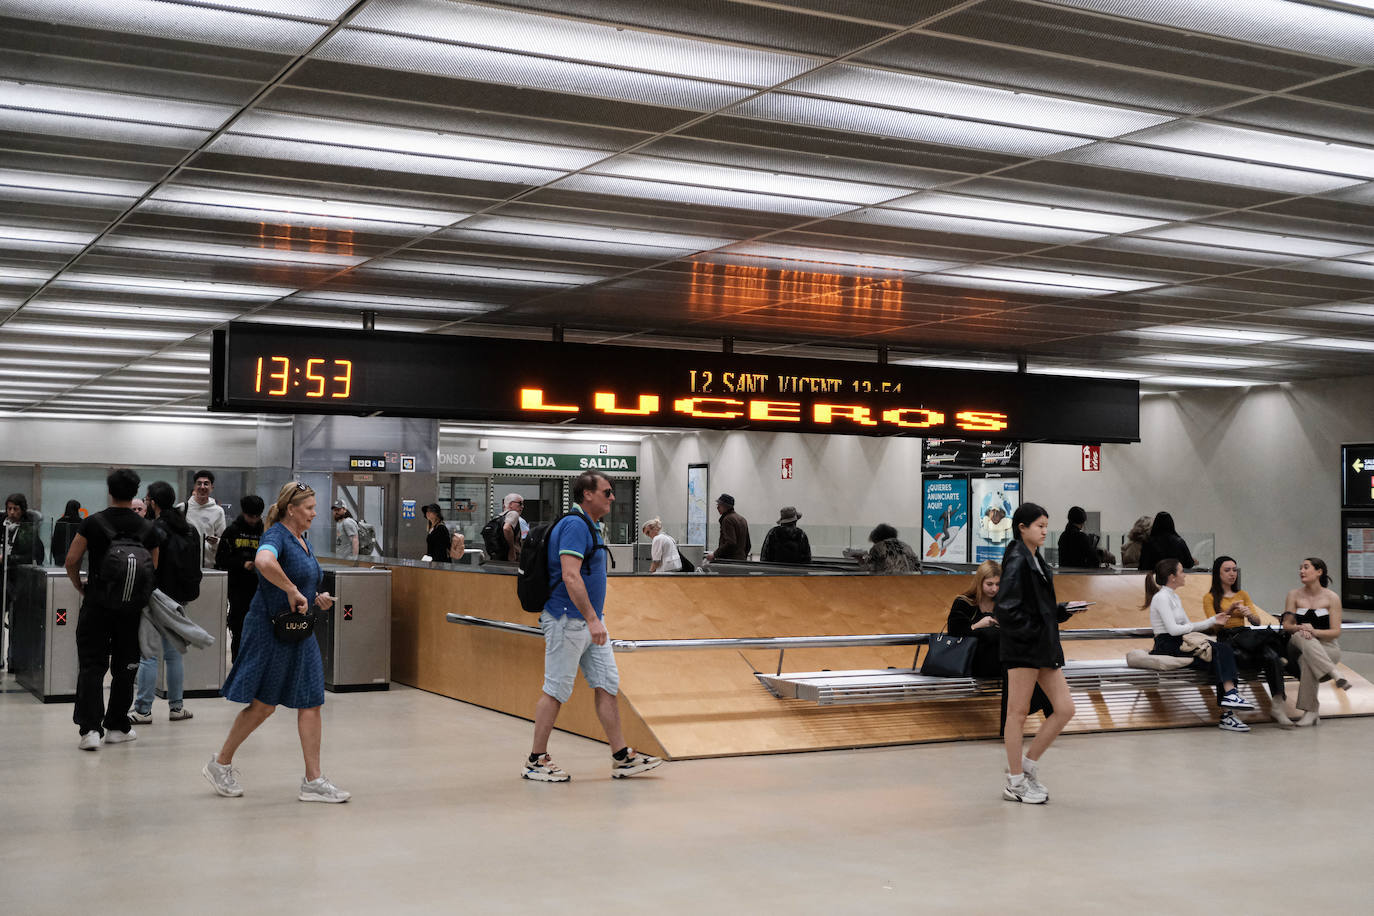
(708, 703)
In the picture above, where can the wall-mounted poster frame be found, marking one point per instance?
(992, 500)
(698, 502)
(944, 518)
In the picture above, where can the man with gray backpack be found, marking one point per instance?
(122, 573)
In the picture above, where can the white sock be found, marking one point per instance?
(1030, 767)
(1016, 780)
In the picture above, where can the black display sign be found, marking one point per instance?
(276, 369)
(1358, 489)
(962, 454)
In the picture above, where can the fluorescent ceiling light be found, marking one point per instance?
(1300, 27)
(566, 39)
(699, 196)
(61, 236)
(324, 321)
(94, 103)
(167, 392)
(516, 69)
(984, 284)
(70, 376)
(940, 362)
(85, 395)
(820, 258)
(1275, 149)
(961, 225)
(1029, 214)
(148, 366)
(1204, 359)
(343, 133)
(197, 315)
(1201, 381)
(70, 330)
(1051, 278)
(81, 184)
(1336, 343)
(178, 20)
(909, 92)
(107, 283)
(26, 273)
(308, 206)
(384, 301)
(1210, 334)
(1082, 372)
(1206, 168)
(287, 226)
(1255, 241)
(324, 154)
(554, 229)
(512, 274)
(87, 367)
(883, 122)
(741, 179)
(213, 250)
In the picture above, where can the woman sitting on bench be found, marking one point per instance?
(1312, 615)
(1170, 623)
(971, 615)
(1260, 649)
(1029, 619)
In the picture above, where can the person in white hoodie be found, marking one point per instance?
(206, 515)
(1170, 623)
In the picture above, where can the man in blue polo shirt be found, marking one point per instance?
(575, 636)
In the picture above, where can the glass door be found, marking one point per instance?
(367, 501)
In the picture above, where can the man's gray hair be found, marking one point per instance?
(505, 500)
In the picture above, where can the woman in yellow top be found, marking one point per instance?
(1254, 649)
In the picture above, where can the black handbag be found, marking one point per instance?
(949, 656)
(291, 627)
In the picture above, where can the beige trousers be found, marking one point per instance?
(1317, 659)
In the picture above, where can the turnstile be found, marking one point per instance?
(43, 632)
(355, 635)
(205, 668)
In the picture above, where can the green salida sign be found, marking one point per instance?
(547, 461)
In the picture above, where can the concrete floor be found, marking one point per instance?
(1184, 821)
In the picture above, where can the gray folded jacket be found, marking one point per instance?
(164, 617)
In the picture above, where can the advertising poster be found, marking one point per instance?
(944, 527)
(994, 499)
(698, 502)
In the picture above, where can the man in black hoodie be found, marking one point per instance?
(237, 548)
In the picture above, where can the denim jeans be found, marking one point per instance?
(147, 679)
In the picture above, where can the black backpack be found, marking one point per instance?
(178, 571)
(494, 537)
(532, 584)
(126, 576)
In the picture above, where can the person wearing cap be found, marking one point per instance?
(734, 532)
(437, 538)
(345, 532)
(786, 543)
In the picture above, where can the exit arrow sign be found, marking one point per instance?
(1358, 464)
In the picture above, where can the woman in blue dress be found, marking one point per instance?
(270, 673)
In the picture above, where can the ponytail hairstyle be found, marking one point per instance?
(161, 492)
(291, 494)
(1216, 589)
(1320, 566)
(1155, 580)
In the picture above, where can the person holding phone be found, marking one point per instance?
(1170, 623)
(1029, 616)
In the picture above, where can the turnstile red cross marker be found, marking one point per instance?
(348, 612)
(61, 617)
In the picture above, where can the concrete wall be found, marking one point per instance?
(125, 442)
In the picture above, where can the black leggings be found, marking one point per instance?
(1222, 665)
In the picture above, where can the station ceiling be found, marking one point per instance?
(1170, 190)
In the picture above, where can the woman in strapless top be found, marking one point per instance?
(1312, 617)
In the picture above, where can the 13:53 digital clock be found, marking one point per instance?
(278, 376)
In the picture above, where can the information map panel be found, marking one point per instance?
(275, 369)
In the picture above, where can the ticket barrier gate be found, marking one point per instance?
(43, 632)
(205, 669)
(355, 635)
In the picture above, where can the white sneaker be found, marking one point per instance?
(90, 741)
(1026, 791)
(633, 764)
(1031, 770)
(140, 718)
(223, 777)
(544, 770)
(180, 713)
(1231, 699)
(1230, 723)
(114, 737)
(322, 790)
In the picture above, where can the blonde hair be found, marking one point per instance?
(291, 494)
(988, 569)
(652, 523)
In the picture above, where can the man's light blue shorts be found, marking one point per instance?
(568, 646)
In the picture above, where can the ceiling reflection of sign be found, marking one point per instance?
(259, 368)
(1358, 479)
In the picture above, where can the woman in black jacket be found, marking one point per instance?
(1164, 543)
(1029, 617)
(971, 614)
(63, 530)
(437, 540)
